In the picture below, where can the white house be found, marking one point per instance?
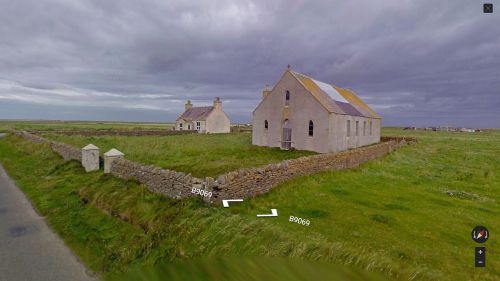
(204, 119)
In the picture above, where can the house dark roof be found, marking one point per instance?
(336, 99)
(197, 113)
(348, 109)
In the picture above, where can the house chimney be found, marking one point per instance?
(217, 103)
(188, 105)
(266, 91)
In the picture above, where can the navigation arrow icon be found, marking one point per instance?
(274, 213)
(225, 203)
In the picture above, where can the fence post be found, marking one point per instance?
(90, 158)
(109, 157)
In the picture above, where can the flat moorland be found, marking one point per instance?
(75, 125)
(199, 154)
(407, 215)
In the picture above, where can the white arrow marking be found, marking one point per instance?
(274, 213)
(225, 203)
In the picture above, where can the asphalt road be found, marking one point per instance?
(29, 250)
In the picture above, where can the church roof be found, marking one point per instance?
(335, 99)
(196, 113)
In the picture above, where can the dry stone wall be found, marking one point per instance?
(68, 152)
(31, 137)
(240, 184)
(245, 183)
(167, 182)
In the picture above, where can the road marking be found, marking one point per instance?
(274, 213)
(225, 203)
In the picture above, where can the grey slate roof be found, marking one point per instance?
(197, 113)
(348, 109)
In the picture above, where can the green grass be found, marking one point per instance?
(247, 269)
(116, 225)
(415, 207)
(74, 125)
(407, 215)
(199, 154)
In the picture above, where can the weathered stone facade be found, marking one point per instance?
(306, 114)
(169, 183)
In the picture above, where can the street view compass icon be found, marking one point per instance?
(480, 234)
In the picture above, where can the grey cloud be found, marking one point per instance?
(416, 62)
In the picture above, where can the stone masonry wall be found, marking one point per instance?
(245, 183)
(31, 137)
(68, 152)
(167, 182)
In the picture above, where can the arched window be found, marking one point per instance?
(287, 97)
(266, 125)
(311, 128)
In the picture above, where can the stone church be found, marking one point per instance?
(302, 113)
(204, 119)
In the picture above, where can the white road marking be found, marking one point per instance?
(225, 203)
(274, 213)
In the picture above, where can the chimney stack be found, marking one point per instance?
(188, 105)
(266, 91)
(217, 103)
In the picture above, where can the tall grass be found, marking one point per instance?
(115, 225)
(407, 215)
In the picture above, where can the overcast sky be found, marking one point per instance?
(426, 62)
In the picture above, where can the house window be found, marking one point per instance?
(189, 127)
(364, 128)
(370, 127)
(266, 125)
(311, 128)
(180, 126)
(357, 123)
(348, 128)
(198, 125)
(287, 98)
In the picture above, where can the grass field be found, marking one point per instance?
(200, 155)
(72, 125)
(248, 269)
(407, 215)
